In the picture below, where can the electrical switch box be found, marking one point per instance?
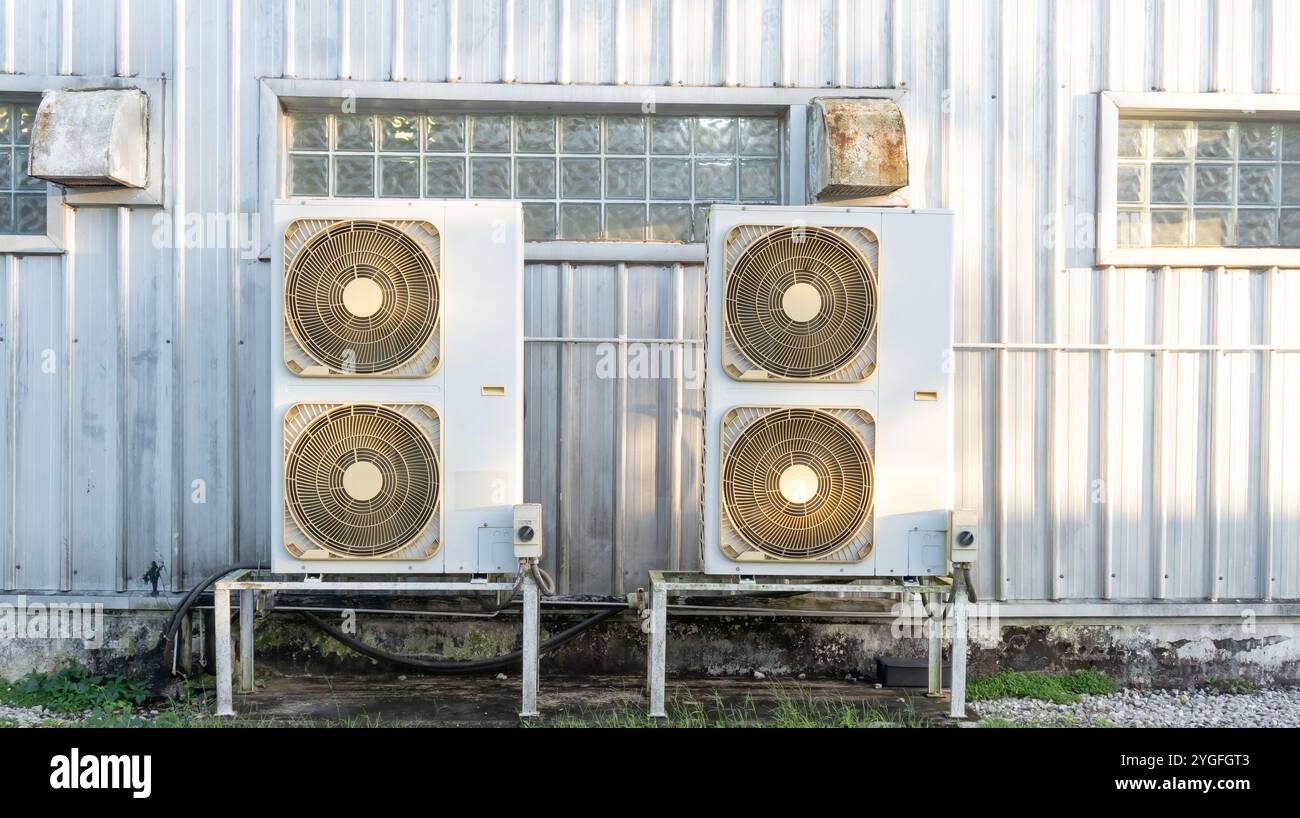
(528, 531)
(963, 527)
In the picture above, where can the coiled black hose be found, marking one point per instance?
(476, 666)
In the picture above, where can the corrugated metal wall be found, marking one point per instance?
(135, 374)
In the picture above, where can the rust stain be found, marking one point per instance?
(866, 146)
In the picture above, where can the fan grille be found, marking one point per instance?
(801, 302)
(797, 442)
(320, 491)
(361, 297)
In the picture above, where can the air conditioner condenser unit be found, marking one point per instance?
(396, 387)
(828, 421)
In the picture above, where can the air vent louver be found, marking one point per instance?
(361, 297)
(362, 480)
(800, 303)
(797, 483)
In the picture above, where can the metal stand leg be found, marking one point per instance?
(225, 697)
(958, 708)
(245, 641)
(657, 655)
(935, 652)
(532, 628)
(186, 646)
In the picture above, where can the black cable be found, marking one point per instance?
(498, 607)
(179, 612)
(970, 585)
(476, 666)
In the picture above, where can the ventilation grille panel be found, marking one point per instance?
(361, 298)
(362, 481)
(797, 484)
(800, 303)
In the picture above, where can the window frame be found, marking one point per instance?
(467, 154)
(280, 97)
(30, 88)
(52, 240)
(1112, 106)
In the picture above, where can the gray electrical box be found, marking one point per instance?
(495, 552)
(963, 526)
(528, 531)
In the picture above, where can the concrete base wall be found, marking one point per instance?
(1172, 654)
(129, 644)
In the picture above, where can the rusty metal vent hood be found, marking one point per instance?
(857, 147)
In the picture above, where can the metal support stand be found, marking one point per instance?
(187, 646)
(935, 650)
(221, 615)
(245, 641)
(957, 705)
(658, 654)
(661, 582)
(532, 642)
(246, 582)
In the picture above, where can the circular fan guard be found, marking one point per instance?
(323, 508)
(767, 449)
(382, 336)
(758, 311)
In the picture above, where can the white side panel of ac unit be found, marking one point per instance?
(476, 389)
(914, 448)
(913, 471)
(483, 321)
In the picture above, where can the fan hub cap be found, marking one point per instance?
(799, 304)
(363, 481)
(802, 302)
(363, 297)
(798, 484)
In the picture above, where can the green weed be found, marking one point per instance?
(75, 689)
(1064, 688)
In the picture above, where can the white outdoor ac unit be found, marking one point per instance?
(397, 387)
(828, 440)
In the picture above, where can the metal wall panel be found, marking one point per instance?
(1099, 472)
(37, 39)
(150, 496)
(38, 534)
(95, 445)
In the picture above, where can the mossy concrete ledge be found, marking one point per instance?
(1156, 654)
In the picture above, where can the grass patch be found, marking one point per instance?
(1064, 688)
(1234, 687)
(797, 708)
(75, 689)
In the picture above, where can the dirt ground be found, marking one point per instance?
(454, 701)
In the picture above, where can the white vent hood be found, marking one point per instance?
(92, 138)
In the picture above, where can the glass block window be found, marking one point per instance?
(580, 177)
(22, 198)
(1208, 183)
